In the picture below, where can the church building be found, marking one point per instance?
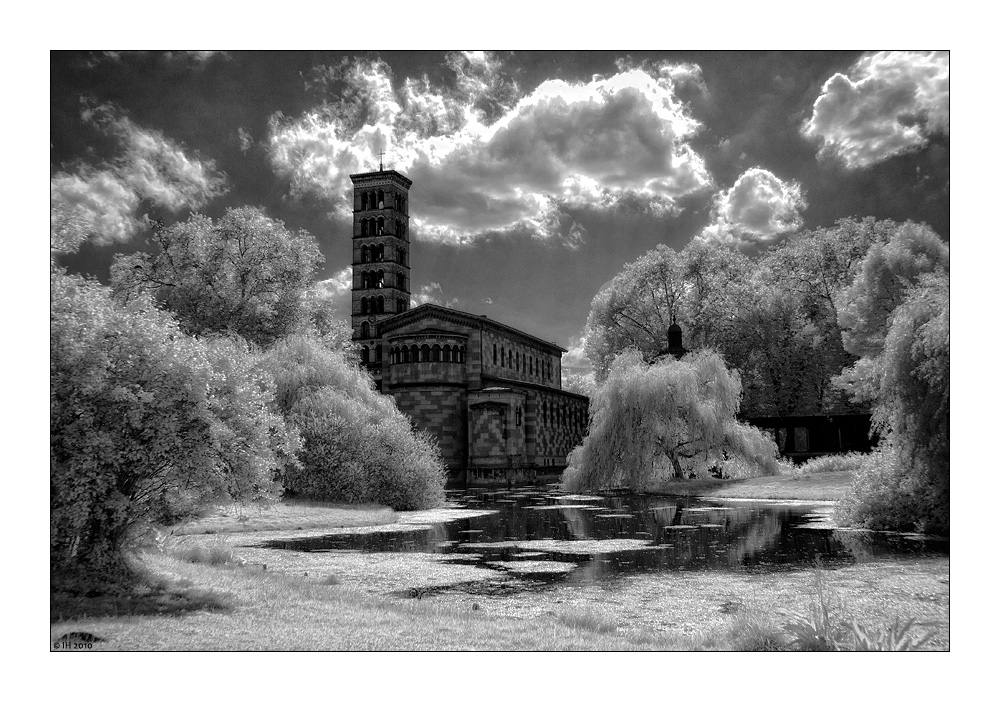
(491, 394)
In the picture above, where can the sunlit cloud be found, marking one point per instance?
(432, 294)
(759, 210)
(490, 161)
(149, 167)
(103, 205)
(889, 103)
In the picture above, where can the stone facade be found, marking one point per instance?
(490, 394)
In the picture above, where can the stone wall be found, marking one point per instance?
(441, 411)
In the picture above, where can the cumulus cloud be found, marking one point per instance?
(432, 294)
(489, 160)
(577, 370)
(757, 211)
(888, 104)
(150, 167)
(101, 204)
(156, 167)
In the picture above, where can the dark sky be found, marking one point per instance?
(536, 175)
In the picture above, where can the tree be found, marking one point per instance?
(636, 310)
(896, 316)
(245, 274)
(145, 424)
(674, 418)
(356, 445)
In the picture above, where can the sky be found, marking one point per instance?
(536, 174)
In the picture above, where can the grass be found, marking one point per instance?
(811, 487)
(284, 515)
(195, 606)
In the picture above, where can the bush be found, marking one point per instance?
(357, 447)
(834, 463)
(892, 493)
(146, 424)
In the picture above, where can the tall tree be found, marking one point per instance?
(672, 419)
(244, 274)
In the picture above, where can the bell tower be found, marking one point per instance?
(381, 256)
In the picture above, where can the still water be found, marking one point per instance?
(556, 538)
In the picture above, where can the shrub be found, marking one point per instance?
(893, 493)
(146, 424)
(833, 463)
(357, 447)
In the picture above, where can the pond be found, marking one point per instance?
(543, 537)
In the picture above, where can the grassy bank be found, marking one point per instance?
(826, 487)
(233, 608)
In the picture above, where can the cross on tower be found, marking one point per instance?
(381, 153)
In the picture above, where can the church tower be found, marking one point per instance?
(381, 256)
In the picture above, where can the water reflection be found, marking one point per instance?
(613, 535)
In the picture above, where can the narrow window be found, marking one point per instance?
(364, 354)
(400, 306)
(364, 330)
(494, 354)
(517, 361)
(414, 353)
(510, 358)
(378, 353)
(425, 353)
(436, 353)
(364, 305)
(502, 357)
(447, 353)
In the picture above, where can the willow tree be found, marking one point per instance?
(673, 419)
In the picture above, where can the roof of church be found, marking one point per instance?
(370, 175)
(473, 320)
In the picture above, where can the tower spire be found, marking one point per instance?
(381, 153)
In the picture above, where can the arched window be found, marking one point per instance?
(378, 353)
(494, 354)
(517, 361)
(381, 199)
(401, 281)
(400, 306)
(365, 330)
(364, 254)
(378, 252)
(380, 306)
(425, 353)
(414, 353)
(503, 357)
(406, 354)
(401, 255)
(446, 355)
(510, 358)
(364, 354)
(461, 354)
(436, 353)
(380, 226)
(364, 305)
(379, 279)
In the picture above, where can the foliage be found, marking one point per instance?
(774, 319)
(889, 493)
(675, 418)
(896, 315)
(823, 630)
(357, 447)
(893, 638)
(244, 274)
(833, 463)
(141, 425)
